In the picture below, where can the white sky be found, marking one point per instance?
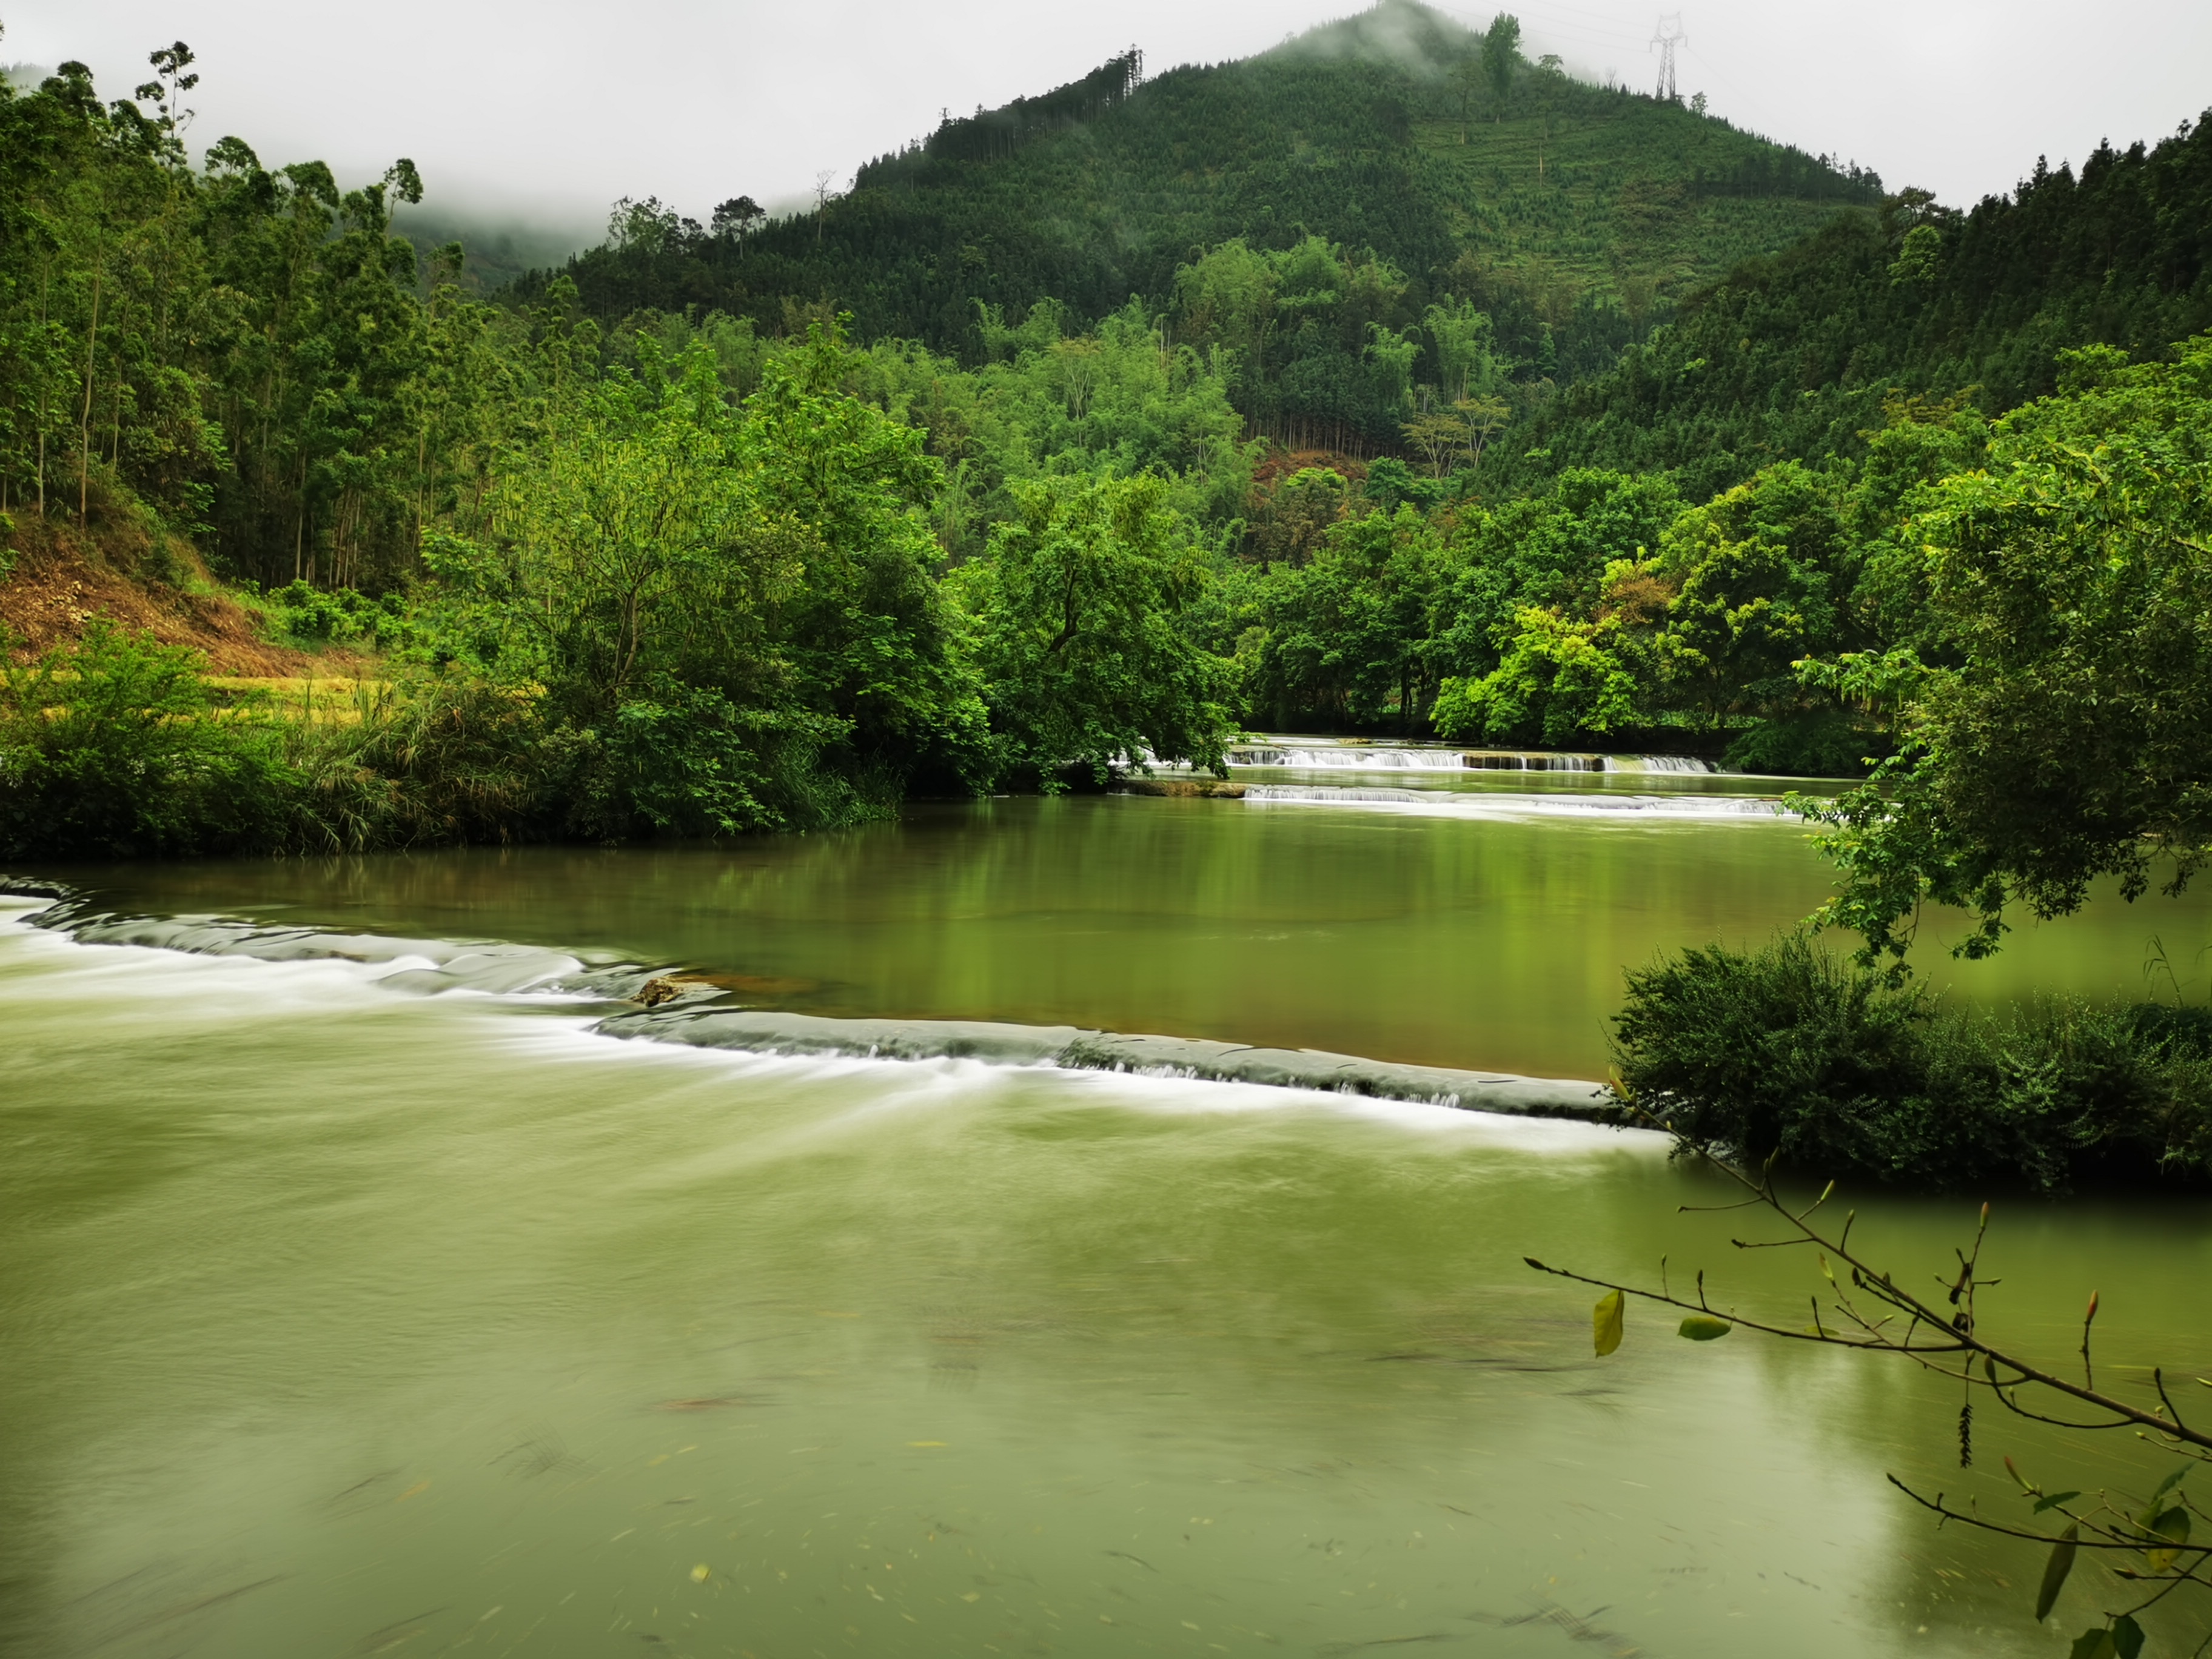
(553, 109)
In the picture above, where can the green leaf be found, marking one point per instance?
(2173, 1524)
(2093, 1645)
(2055, 1572)
(1606, 1321)
(1704, 1327)
(2127, 1637)
(2054, 1499)
(2170, 1483)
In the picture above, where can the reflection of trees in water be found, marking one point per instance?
(2143, 1542)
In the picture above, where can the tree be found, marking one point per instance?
(1465, 344)
(1484, 418)
(1560, 682)
(1468, 73)
(1227, 302)
(734, 218)
(627, 545)
(1294, 518)
(730, 610)
(1757, 583)
(1501, 55)
(2059, 726)
(1439, 436)
(1342, 639)
(1557, 552)
(1075, 622)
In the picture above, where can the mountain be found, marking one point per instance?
(498, 248)
(1574, 215)
(1794, 356)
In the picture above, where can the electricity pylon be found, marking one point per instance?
(1667, 36)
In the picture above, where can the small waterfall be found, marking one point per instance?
(1507, 759)
(1293, 756)
(1441, 803)
(1657, 763)
(1340, 758)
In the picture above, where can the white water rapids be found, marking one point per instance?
(1356, 758)
(1441, 803)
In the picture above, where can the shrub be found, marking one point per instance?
(686, 761)
(1788, 1051)
(113, 748)
(438, 757)
(310, 616)
(116, 747)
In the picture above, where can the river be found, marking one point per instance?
(343, 1318)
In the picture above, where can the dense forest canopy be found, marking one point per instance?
(1459, 172)
(1791, 356)
(860, 517)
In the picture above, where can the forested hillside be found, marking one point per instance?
(681, 571)
(1441, 166)
(497, 251)
(1792, 356)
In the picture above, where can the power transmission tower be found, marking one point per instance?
(1667, 36)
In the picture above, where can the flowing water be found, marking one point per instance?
(343, 1314)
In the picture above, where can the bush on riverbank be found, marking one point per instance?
(120, 747)
(114, 747)
(1788, 1050)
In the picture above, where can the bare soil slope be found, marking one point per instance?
(64, 577)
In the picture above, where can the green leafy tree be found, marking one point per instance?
(2063, 731)
(1465, 344)
(1076, 620)
(1759, 571)
(1341, 640)
(629, 544)
(1553, 552)
(1561, 683)
(1501, 56)
(739, 595)
(1292, 518)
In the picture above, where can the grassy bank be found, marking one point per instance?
(1790, 1051)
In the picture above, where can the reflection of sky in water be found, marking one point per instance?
(343, 1321)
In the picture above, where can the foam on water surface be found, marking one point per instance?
(1593, 806)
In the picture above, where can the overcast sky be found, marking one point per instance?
(556, 107)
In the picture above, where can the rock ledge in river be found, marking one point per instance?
(764, 1032)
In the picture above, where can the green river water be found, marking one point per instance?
(338, 1319)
